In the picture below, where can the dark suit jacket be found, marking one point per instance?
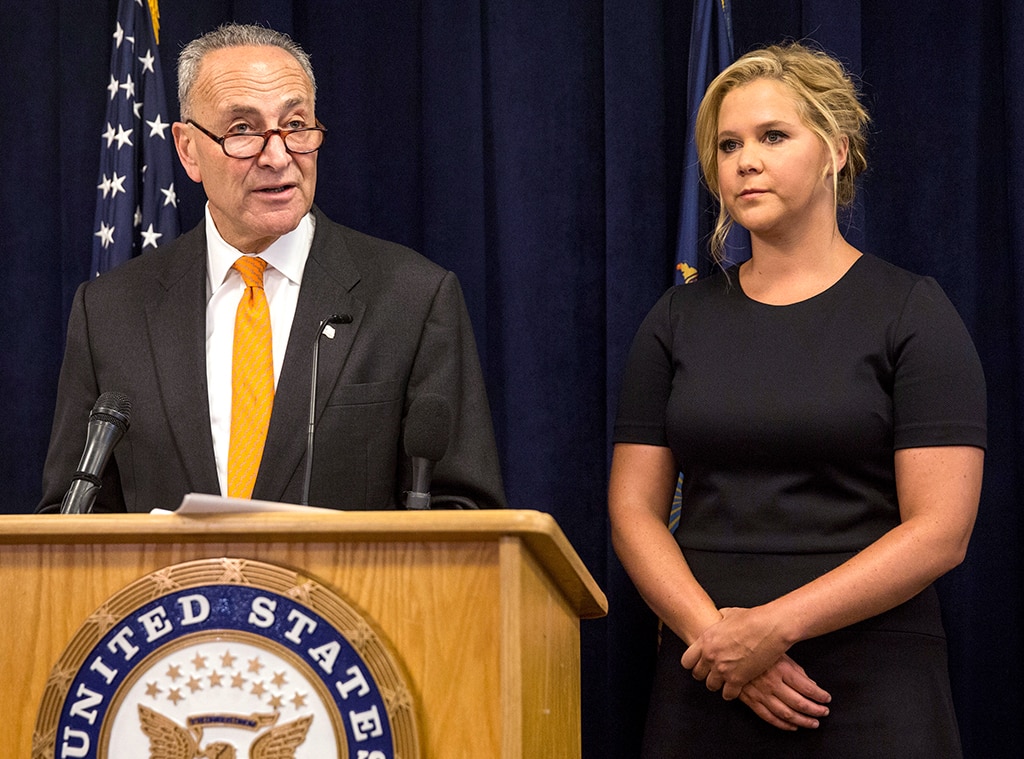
(140, 330)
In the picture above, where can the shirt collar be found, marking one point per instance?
(287, 253)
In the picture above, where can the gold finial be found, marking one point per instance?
(154, 12)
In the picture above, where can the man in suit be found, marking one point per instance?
(161, 329)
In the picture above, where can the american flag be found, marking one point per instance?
(136, 206)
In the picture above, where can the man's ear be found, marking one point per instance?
(185, 143)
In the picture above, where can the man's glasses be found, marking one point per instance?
(305, 140)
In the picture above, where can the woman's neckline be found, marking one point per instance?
(804, 299)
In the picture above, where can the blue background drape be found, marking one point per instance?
(535, 148)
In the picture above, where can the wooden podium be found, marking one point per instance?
(481, 608)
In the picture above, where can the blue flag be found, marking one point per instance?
(136, 206)
(711, 50)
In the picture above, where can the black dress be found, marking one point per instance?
(783, 421)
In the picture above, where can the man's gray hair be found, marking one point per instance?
(231, 35)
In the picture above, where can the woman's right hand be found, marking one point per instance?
(785, 697)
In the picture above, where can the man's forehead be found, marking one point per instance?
(241, 79)
(245, 108)
(265, 64)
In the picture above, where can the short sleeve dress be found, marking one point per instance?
(783, 421)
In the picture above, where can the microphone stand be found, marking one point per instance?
(330, 320)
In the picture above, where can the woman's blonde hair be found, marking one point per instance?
(829, 105)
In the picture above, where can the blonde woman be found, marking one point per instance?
(827, 410)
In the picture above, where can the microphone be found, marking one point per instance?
(330, 321)
(108, 421)
(427, 430)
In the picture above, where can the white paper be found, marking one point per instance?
(204, 503)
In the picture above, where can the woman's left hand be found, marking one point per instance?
(732, 652)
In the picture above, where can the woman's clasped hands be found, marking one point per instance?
(744, 657)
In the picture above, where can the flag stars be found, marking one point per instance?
(157, 127)
(106, 235)
(170, 199)
(128, 87)
(123, 136)
(117, 184)
(128, 134)
(113, 185)
(149, 238)
(109, 134)
(147, 62)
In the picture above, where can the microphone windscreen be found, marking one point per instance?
(114, 407)
(428, 427)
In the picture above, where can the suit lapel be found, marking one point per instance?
(327, 280)
(177, 327)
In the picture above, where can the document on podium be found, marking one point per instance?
(194, 504)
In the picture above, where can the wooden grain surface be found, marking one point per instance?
(482, 609)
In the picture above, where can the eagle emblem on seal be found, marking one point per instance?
(169, 740)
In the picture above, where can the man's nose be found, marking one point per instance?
(274, 153)
(749, 159)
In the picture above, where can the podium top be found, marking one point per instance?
(538, 531)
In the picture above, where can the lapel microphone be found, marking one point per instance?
(330, 321)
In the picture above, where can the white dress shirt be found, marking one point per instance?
(286, 259)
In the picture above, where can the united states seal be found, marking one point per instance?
(226, 658)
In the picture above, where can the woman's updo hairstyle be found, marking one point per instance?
(828, 101)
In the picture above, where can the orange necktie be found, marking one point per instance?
(252, 380)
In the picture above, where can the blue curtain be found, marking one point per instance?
(535, 148)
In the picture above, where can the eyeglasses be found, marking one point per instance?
(250, 145)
